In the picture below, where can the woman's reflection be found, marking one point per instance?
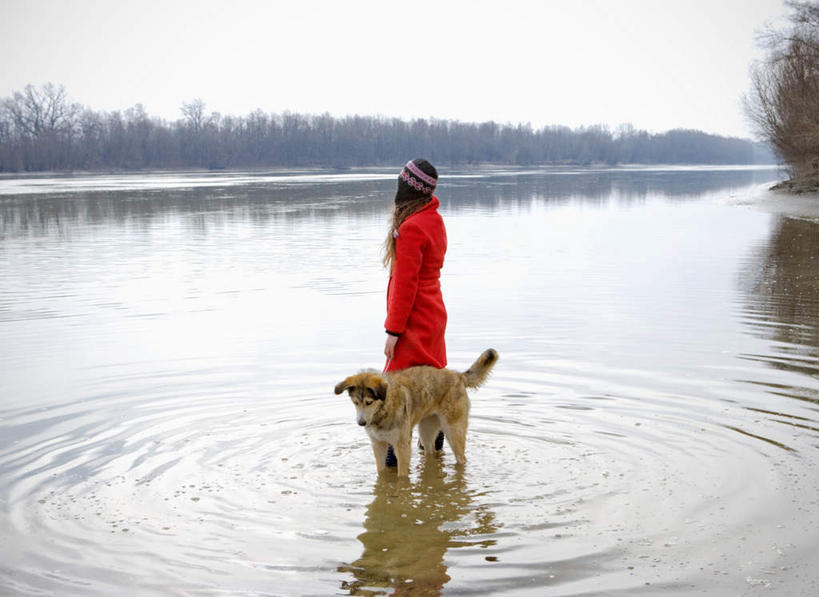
(409, 528)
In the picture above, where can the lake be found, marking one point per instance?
(169, 344)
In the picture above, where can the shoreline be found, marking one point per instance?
(36, 183)
(778, 201)
(798, 186)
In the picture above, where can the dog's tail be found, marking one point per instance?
(479, 371)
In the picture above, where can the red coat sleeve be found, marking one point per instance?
(409, 253)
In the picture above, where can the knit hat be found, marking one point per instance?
(418, 179)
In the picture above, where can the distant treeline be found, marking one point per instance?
(41, 130)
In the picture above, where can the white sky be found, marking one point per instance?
(659, 64)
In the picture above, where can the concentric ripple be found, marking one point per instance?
(194, 491)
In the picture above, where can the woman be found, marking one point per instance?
(414, 254)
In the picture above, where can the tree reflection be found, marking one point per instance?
(783, 300)
(65, 214)
(409, 529)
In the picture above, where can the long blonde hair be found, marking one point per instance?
(400, 213)
(409, 198)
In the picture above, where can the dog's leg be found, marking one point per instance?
(428, 430)
(403, 451)
(380, 453)
(455, 432)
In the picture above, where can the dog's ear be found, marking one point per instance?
(381, 390)
(343, 386)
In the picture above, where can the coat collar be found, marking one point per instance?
(431, 207)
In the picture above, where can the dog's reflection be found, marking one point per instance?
(410, 526)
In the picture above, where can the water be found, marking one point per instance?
(169, 346)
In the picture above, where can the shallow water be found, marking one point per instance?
(169, 345)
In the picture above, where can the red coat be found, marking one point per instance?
(415, 307)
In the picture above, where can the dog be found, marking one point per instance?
(389, 406)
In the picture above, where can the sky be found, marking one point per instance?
(657, 64)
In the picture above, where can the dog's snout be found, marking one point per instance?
(362, 422)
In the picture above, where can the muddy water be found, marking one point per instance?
(169, 345)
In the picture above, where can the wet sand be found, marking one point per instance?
(801, 205)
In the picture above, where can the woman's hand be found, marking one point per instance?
(389, 347)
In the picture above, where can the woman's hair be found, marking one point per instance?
(413, 193)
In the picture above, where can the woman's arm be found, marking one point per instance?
(389, 347)
(409, 254)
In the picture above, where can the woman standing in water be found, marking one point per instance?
(414, 254)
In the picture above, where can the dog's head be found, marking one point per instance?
(367, 390)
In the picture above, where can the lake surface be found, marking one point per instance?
(169, 346)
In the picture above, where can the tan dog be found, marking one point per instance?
(389, 405)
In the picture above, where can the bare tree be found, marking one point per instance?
(783, 104)
(44, 110)
(194, 113)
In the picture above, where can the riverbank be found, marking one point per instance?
(798, 186)
(780, 200)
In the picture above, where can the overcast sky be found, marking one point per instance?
(658, 64)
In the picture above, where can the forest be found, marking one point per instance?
(41, 129)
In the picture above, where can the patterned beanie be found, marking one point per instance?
(418, 179)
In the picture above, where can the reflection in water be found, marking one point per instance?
(597, 186)
(781, 287)
(409, 528)
(786, 288)
(59, 214)
(783, 302)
